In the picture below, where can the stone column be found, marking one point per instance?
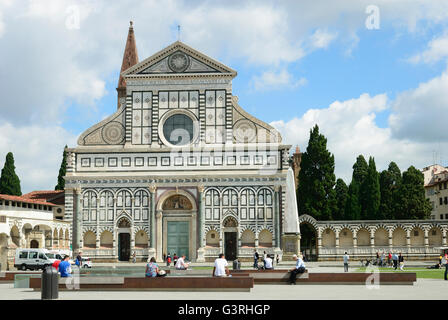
(159, 255)
(152, 216)
(408, 238)
(276, 217)
(372, 238)
(77, 222)
(444, 237)
(337, 239)
(201, 226)
(426, 232)
(355, 239)
(319, 239)
(390, 238)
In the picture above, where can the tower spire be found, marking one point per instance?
(130, 58)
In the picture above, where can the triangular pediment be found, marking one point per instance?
(178, 59)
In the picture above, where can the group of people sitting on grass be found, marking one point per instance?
(393, 260)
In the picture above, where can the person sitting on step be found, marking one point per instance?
(181, 264)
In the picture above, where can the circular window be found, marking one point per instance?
(178, 129)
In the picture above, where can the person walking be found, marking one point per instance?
(277, 259)
(445, 262)
(64, 267)
(299, 268)
(401, 261)
(264, 259)
(220, 268)
(134, 257)
(395, 260)
(389, 259)
(175, 257)
(255, 259)
(78, 261)
(346, 257)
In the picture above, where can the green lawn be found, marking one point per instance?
(422, 273)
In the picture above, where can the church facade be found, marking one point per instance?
(180, 168)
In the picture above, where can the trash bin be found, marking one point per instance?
(50, 284)
(236, 265)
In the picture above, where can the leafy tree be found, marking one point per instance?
(62, 171)
(371, 192)
(316, 194)
(341, 190)
(410, 200)
(354, 205)
(9, 181)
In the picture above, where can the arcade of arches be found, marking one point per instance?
(328, 240)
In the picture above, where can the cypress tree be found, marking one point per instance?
(410, 200)
(316, 194)
(355, 205)
(9, 181)
(390, 180)
(341, 190)
(371, 192)
(62, 171)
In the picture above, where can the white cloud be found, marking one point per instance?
(321, 39)
(421, 114)
(437, 50)
(48, 66)
(37, 153)
(351, 129)
(271, 80)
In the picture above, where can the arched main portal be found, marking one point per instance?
(124, 239)
(308, 241)
(230, 237)
(176, 224)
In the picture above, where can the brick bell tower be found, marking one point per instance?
(296, 160)
(130, 58)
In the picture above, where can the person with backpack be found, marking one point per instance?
(168, 260)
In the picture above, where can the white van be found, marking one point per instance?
(33, 259)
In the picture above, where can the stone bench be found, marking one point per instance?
(383, 278)
(268, 276)
(282, 276)
(9, 276)
(157, 284)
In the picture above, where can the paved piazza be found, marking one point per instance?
(424, 289)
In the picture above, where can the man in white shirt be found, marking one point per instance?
(180, 264)
(268, 263)
(346, 257)
(220, 269)
(299, 268)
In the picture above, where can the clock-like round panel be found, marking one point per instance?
(178, 62)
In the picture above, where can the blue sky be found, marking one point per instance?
(378, 92)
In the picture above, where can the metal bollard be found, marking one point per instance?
(50, 284)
